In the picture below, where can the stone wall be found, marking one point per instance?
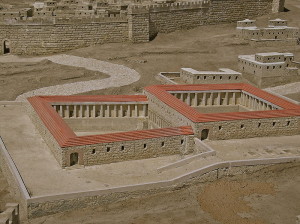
(46, 205)
(142, 24)
(107, 125)
(191, 76)
(130, 150)
(16, 185)
(47, 39)
(44, 132)
(250, 128)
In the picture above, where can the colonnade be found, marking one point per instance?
(101, 110)
(222, 98)
(196, 99)
(255, 103)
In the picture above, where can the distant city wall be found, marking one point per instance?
(35, 39)
(142, 24)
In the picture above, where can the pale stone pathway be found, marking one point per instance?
(119, 75)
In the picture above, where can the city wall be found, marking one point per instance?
(141, 25)
(31, 39)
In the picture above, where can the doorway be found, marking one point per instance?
(6, 47)
(73, 158)
(204, 134)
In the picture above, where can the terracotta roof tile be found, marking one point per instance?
(65, 136)
(161, 92)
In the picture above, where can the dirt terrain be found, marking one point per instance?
(17, 78)
(203, 48)
(270, 196)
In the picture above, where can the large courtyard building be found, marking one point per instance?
(91, 130)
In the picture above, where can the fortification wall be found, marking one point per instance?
(142, 24)
(169, 19)
(52, 38)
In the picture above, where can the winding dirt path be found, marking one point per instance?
(119, 75)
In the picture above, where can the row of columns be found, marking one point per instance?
(255, 104)
(158, 120)
(208, 98)
(222, 99)
(102, 110)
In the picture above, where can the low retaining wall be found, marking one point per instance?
(13, 177)
(51, 204)
(203, 150)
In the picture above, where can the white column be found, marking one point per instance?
(101, 111)
(75, 111)
(234, 98)
(128, 112)
(136, 110)
(219, 99)
(226, 99)
(94, 111)
(196, 100)
(80, 111)
(144, 110)
(121, 111)
(181, 96)
(204, 99)
(189, 99)
(211, 99)
(60, 110)
(68, 111)
(87, 110)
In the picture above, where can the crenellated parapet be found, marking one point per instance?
(139, 9)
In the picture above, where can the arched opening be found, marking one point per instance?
(204, 134)
(6, 47)
(73, 158)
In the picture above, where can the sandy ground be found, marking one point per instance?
(203, 48)
(5, 196)
(263, 147)
(270, 196)
(17, 78)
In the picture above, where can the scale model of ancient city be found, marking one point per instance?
(150, 111)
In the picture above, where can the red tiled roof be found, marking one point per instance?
(161, 92)
(65, 137)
